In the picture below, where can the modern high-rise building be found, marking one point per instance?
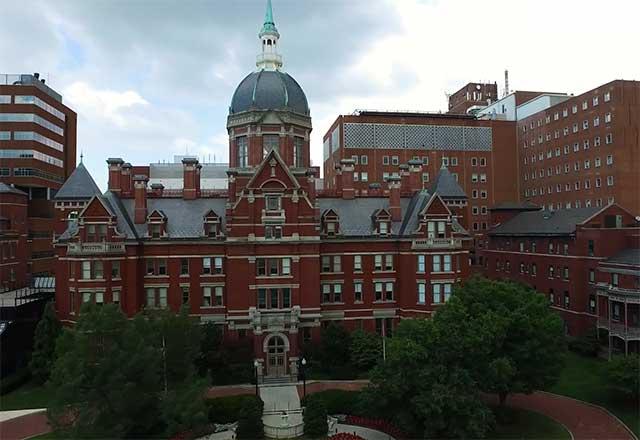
(37, 154)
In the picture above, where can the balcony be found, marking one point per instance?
(620, 330)
(437, 243)
(95, 248)
(615, 293)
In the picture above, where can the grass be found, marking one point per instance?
(28, 396)
(522, 424)
(584, 378)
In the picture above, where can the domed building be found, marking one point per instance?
(269, 110)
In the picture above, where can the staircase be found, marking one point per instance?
(275, 381)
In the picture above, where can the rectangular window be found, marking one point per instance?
(421, 263)
(388, 291)
(614, 279)
(337, 292)
(357, 263)
(388, 262)
(378, 290)
(357, 292)
(185, 295)
(377, 262)
(422, 293)
(337, 263)
(241, 145)
(206, 265)
(298, 152)
(364, 160)
(394, 160)
(272, 202)
(326, 263)
(436, 264)
(217, 299)
(207, 297)
(326, 293)
(286, 298)
(447, 263)
(162, 267)
(270, 142)
(364, 176)
(151, 298)
(437, 291)
(97, 270)
(115, 297)
(385, 160)
(286, 266)
(217, 268)
(566, 299)
(273, 298)
(115, 269)
(262, 298)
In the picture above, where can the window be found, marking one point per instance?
(609, 159)
(534, 269)
(607, 117)
(272, 232)
(609, 180)
(608, 139)
(422, 293)
(565, 273)
(364, 177)
(207, 297)
(156, 297)
(115, 269)
(595, 100)
(551, 270)
(474, 178)
(388, 262)
(326, 264)
(184, 266)
(357, 263)
(241, 145)
(592, 276)
(272, 202)
(437, 267)
(585, 124)
(357, 291)
(377, 262)
(447, 263)
(607, 96)
(86, 270)
(337, 263)
(566, 299)
(273, 298)
(591, 248)
(298, 152)
(421, 263)
(454, 161)
(384, 228)
(378, 291)
(425, 177)
(385, 160)
(262, 298)
(286, 266)
(614, 279)
(394, 160)
(445, 161)
(388, 291)
(270, 142)
(185, 294)
(483, 194)
(437, 290)
(596, 121)
(286, 298)
(364, 159)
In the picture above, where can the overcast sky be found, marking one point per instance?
(150, 79)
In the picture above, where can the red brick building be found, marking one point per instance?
(271, 260)
(570, 255)
(582, 150)
(37, 154)
(473, 96)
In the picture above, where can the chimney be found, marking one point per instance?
(338, 170)
(394, 198)
(126, 182)
(348, 165)
(232, 186)
(157, 189)
(140, 189)
(115, 172)
(404, 179)
(415, 175)
(191, 184)
(311, 186)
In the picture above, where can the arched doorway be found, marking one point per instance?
(276, 356)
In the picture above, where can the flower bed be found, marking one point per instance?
(377, 424)
(345, 436)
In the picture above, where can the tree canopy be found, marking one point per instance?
(44, 345)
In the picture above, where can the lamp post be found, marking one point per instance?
(255, 369)
(304, 378)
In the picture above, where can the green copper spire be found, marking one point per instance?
(269, 27)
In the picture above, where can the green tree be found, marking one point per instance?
(106, 378)
(210, 354)
(334, 351)
(365, 349)
(250, 420)
(524, 338)
(624, 375)
(315, 418)
(43, 355)
(183, 408)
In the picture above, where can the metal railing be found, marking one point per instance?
(620, 330)
(95, 248)
(436, 243)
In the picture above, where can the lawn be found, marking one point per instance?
(524, 424)
(584, 378)
(27, 396)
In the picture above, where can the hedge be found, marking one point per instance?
(337, 401)
(226, 409)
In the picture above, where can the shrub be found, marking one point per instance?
(250, 420)
(315, 418)
(624, 374)
(183, 409)
(338, 401)
(226, 409)
(365, 349)
(587, 344)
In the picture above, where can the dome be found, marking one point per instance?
(269, 90)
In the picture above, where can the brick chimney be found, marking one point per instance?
(394, 198)
(415, 175)
(338, 171)
(191, 179)
(140, 190)
(126, 179)
(348, 166)
(157, 189)
(115, 166)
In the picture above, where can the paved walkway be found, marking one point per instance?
(21, 426)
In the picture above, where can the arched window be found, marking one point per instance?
(268, 42)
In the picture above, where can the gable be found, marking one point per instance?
(607, 217)
(156, 216)
(435, 208)
(273, 174)
(96, 209)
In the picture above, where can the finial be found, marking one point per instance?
(81, 156)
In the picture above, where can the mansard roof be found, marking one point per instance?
(355, 215)
(629, 256)
(4, 188)
(79, 186)
(543, 222)
(447, 186)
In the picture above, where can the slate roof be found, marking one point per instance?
(543, 222)
(79, 185)
(410, 218)
(4, 188)
(626, 256)
(269, 90)
(447, 186)
(355, 215)
(514, 206)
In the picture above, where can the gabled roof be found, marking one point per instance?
(5, 189)
(447, 186)
(543, 222)
(273, 155)
(79, 186)
(416, 205)
(355, 215)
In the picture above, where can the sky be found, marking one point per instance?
(153, 79)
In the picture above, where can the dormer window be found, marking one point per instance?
(272, 202)
(330, 229)
(382, 222)
(330, 223)
(155, 230)
(157, 224)
(212, 225)
(384, 228)
(73, 215)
